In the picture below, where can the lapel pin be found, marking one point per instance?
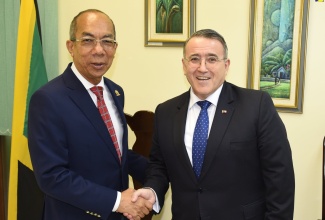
(117, 93)
(223, 111)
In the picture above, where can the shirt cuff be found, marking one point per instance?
(117, 202)
(156, 206)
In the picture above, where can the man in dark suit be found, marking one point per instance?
(80, 164)
(247, 170)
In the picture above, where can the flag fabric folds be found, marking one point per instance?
(25, 200)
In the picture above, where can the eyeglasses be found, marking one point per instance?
(196, 61)
(90, 42)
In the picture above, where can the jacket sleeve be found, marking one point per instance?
(157, 176)
(51, 145)
(276, 162)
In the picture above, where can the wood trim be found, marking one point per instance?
(2, 204)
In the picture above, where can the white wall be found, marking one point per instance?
(150, 75)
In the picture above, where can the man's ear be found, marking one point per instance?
(184, 66)
(69, 44)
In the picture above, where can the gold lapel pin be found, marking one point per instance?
(117, 93)
(223, 111)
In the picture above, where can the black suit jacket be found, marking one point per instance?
(247, 171)
(73, 156)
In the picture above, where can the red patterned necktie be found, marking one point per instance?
(98, 91)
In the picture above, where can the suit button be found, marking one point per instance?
(200, 190)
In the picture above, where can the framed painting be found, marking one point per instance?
(277, 50)
(169, 23)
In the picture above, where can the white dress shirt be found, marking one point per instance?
(193, 114)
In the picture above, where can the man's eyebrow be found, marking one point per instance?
(109, 36)
(91, 35)
(207, 55)
(194, 55)
(87, 34)
(212, 55)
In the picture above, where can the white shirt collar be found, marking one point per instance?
(213, 98)
(82, 79)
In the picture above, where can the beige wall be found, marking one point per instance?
(150, 75)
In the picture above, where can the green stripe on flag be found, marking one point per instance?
(37, 76)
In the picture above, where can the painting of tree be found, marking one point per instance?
(277, 39)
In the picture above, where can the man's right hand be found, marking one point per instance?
(145, 193)
(142, 194)
(135, 210)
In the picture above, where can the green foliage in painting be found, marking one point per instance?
(169, 16)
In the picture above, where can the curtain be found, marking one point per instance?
(9, 15)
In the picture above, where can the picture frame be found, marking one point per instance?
(277, 51)
(169, 25)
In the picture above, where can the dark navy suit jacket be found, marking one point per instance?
(73, 156)
(247, 171)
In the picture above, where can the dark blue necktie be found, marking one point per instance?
(200, 137)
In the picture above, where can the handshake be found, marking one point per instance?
(135, 204)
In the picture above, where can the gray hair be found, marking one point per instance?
(210, 34)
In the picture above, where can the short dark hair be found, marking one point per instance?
(73, 25)
(211, 34)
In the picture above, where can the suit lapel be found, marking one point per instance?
(221, 120)
(179, 132)
(118, 97)
(80, 96)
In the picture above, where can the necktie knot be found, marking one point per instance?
(204, 104)
(98, 91)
